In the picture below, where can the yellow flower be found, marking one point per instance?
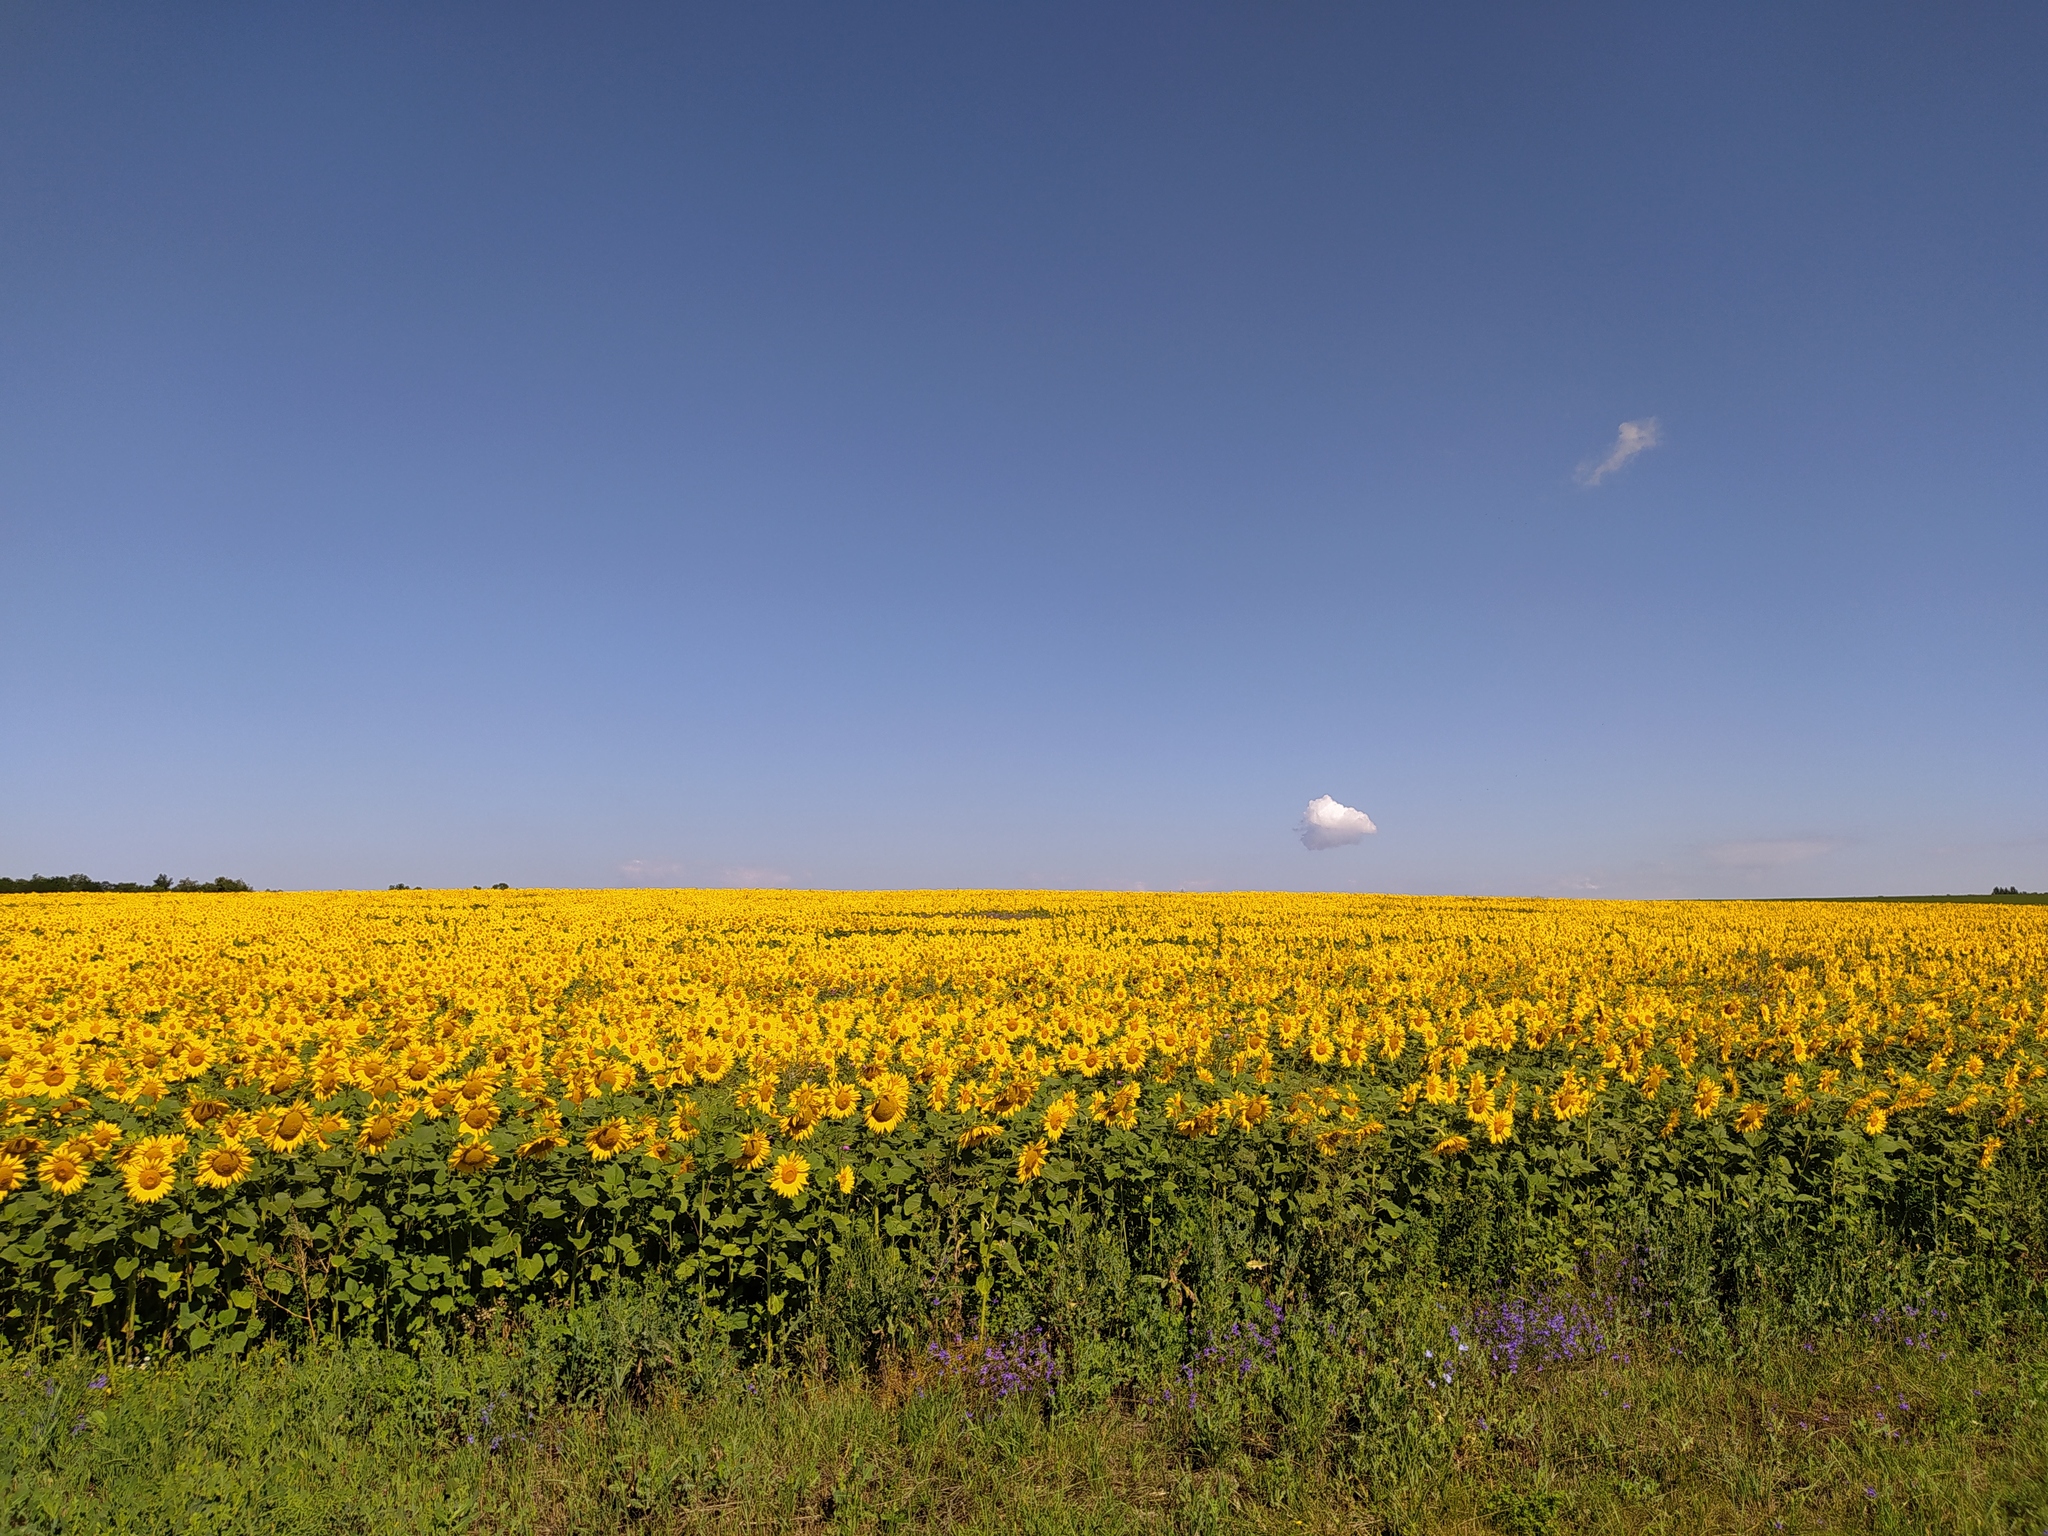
(1059, 1115)
(199, 1112)
(63, 1172)
(754, 1151)
(147, 1180)
(792, 1173)
(13, 1174)
(1500, 1125)
(480, 1116)
(975, 1135)
(609, 1139)
(472, 1157)
(539, 1146)
(1706, 1097)
(1750, 1118)
(381, 1129)
(1031, 1162)
(887, 1112)
(842, 1100)
(292, 1129)
(844, 1179)
(223, 1167)
(682, 1125)
(156, 1149)
(1990, 1154)
(1450, 1146)
(1874, 1123)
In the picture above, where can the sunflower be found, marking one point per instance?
(844, 1178)
(682, 1125)
(540, 1146)
(791, 1174)
(1500, 1125)
(975, 1135)
(1750, 1117)
(886, 1113)
(1031, 1162)
(198, 1112)
(609, 1139)
(104, 1134)
(1450, 1146)
(1874, 1125)
(472, 1157)
(21, 1146)
(481, 1115)
(63, 1171)
(1706, 1097)
(148, 1180)
(292, 1128)
(224, 1166)
(1059, 1115)
(13, 1174)
(381, 1129)
(754, 1150)
(156, 1149)
(1990, 1153)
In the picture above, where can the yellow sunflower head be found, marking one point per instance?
(791, 1174)
(64, 1171)
(540, 1146)
(609, 1139)
(754, 1150)
(200, 1112)
(223, 1167)
(1450, 1146)
(1031, 1162)
(481, 1115)
(844, 1179)
(380, 1130)
(842, 1100)
(975, 1135)
(1058, 1116)
(291, 1129)
(472, 1157)
(148, 1180)
(887, 1112)
(13, 1174)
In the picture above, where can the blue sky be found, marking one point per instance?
(960, 445)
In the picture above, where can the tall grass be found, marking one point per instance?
(1723, 1369)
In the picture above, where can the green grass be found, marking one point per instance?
(1806, 1436)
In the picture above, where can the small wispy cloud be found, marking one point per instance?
(1634, 437)
(1768, 853)
(1326, 824)
(651, 869)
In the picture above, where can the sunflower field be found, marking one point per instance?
(232, 1117)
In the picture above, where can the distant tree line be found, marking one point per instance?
(42, 884)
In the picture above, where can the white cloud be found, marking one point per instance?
(1326, 824)
(1768, 853)
(1635, 437)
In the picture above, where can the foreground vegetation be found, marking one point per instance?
(607, 1421)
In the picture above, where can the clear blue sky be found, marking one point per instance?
(1032, 445)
